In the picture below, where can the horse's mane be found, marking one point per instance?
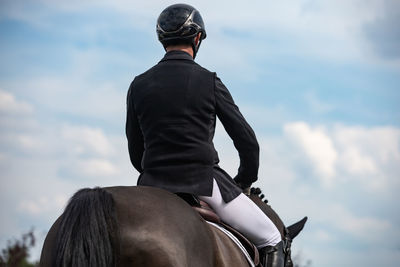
(88, 231)
(258, 192)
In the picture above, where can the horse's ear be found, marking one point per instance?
(295, 228)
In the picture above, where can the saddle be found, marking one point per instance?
(208, 214)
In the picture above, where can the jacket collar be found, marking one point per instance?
(177, 54)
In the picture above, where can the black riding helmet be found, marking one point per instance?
(179, 24)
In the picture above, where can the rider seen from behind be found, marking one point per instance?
(171, 116)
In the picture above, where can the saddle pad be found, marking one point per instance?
(236, 241)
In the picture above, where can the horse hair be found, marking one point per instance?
(88, 231)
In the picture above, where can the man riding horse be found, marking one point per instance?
(171, 116)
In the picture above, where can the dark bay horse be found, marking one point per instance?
(138, 226)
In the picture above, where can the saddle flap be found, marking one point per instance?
(249, 246)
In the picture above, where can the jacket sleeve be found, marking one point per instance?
(241, 133)
(134, 134)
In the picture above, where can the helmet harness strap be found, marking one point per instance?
(196, 47)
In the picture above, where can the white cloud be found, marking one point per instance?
(357, 163)
(101, 100)
(382, 142)
(369, 156)
(43, 205)
(10, 105)
(317, 146)
(365, 227)
(323, 236)
(84, 140)
(16, 123)
(97, 167)
(29, 142)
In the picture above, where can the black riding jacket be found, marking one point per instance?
(171, 116)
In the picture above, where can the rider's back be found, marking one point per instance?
(175, 105)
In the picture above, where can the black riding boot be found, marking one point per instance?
(272, 256)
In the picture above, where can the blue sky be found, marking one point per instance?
(317, 80)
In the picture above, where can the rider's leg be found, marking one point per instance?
(245, 216)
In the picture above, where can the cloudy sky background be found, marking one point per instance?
(318, 81)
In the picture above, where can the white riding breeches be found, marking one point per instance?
(246, 217)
